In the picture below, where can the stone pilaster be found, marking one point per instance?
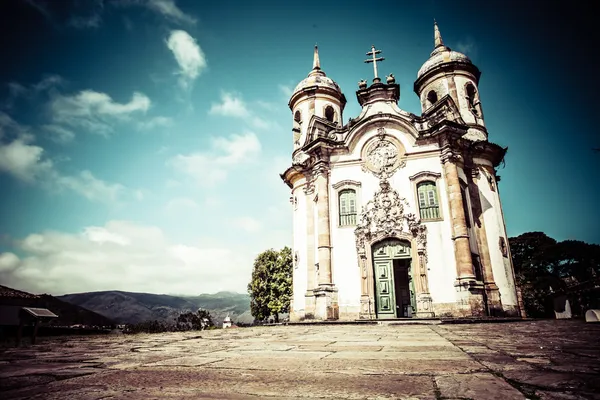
(469, 294)
(423, 298)
(494, 303)
(326, 299)
(460, 234)
(309, 298)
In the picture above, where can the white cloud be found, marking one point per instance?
(248, 224)
(180, 204)
(27, 162)
(230, 106)
(122, 255)
(155, 122)
(286, 90)
(208, 168)
(59, 134)
(23, 160)
(188, 55)
(90, 187)
(170, 10)
(81, 22)
(467, 46)
(95, 111)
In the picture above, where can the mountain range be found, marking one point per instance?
(130, 308)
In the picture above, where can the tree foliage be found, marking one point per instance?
(187, 321)
(271, 286)
(545, 267)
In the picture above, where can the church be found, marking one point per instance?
(397, 215)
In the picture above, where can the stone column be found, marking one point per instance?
(324, 239)
(309, 297)
(491, 289)
(326, 294)
(460, 235)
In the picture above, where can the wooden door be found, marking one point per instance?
(384, 254)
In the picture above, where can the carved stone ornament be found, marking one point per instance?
(382, 157)
(384, 216)
(301, 159)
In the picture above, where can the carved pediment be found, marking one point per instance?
(385, 216)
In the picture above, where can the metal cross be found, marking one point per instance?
(374, 60)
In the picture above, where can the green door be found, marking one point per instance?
(384, 254)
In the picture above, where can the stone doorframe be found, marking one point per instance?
(384, 218)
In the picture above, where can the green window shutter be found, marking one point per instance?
(422, 202)
(428, 202)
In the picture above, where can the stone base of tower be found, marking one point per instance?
(326, 303)
(494, 304)
(424, 306)
(470, 299)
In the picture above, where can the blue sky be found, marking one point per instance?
(141, 141)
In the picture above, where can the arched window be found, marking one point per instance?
(329, 114)
(297, 116)
(432, 97)
(472, 98)
(429, 207)
(347, 207)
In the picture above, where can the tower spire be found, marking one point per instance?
(438, 42)
(316, 62)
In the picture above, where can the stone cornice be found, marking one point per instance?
(346, 182)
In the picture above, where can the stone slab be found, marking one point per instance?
(476, 386)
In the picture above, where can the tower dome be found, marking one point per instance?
(442, 55)
(317, 79)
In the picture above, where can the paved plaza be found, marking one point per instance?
(517, 360)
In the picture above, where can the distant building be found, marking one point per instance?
(396, 214)
(227, 322)
(11, 302)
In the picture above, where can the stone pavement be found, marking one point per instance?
(519, 360)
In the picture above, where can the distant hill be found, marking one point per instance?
(130, 308)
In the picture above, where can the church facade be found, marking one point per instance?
(397, 215)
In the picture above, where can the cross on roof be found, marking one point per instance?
(374, 60)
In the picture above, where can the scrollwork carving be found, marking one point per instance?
(385, 216)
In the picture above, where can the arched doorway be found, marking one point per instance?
(394, 288)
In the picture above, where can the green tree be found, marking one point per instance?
(544, 267)
(271, 286)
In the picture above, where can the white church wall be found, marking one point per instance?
(345, 267)
(299, 248)
(494, 228)
(440, 252)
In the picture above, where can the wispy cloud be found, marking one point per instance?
(210, 167)
(71, 13)
(286, 90)
(155, 122)
(121, 255)
(28, 162)
(94, 111)
(167, 9)
(188, 55)
(170, 10)
(467, 46)
(232, 105)
(59, 134)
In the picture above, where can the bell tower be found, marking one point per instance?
(448, 72)
(315, 96)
